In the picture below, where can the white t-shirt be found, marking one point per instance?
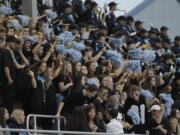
(114, 126)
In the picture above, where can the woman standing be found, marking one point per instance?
(38, 93)
(43, 100)
(64, 81)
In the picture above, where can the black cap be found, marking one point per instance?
(111, 4)
(164, 28)
(157, 40)
(138, 22)
(130, 18)
(177, 38)
(121, 18)
(152, 31)
(93, 4)
(143, 31)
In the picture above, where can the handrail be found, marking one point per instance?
(60, 132)
(35, 116)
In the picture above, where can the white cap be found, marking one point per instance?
(155, 108)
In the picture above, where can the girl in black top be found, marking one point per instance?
(95, 124)
(43, 99)
(64, 81)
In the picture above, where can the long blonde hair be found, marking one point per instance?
(65, 68)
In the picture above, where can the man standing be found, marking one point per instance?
(111, 18)
(8, 74)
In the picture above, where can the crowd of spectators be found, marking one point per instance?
(102, 72)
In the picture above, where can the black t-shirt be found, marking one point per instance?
(51, 104)
(21, 77)
(98, 105)
(74, 100)
(151, 125)
(7, 61)
(139, 108)
(66, 80)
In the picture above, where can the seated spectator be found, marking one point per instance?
(155, 123)
(95, 124)
(173, 126)
(114, 126)
(135, 110)
(77, 121)
(4, 116)
(17, 121)
(100, 101)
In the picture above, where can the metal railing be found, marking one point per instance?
(36, 131)
(56, 132)
(35, 116)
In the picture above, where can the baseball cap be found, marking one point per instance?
(143, 31)
(130, 18)
(138, 22)
(155, 108)
(163, 28)
(111, 4)
(93, 4)
(177, 38)
(123, 18)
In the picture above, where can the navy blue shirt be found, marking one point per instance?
(110, 20)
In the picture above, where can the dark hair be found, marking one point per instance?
(89, 108)
(2, 120)
(147, 84)
(77, 121)
(101, 89)
(130, 18)
(92, 88)
(11, 39)
(88, 64)
(113, 113)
